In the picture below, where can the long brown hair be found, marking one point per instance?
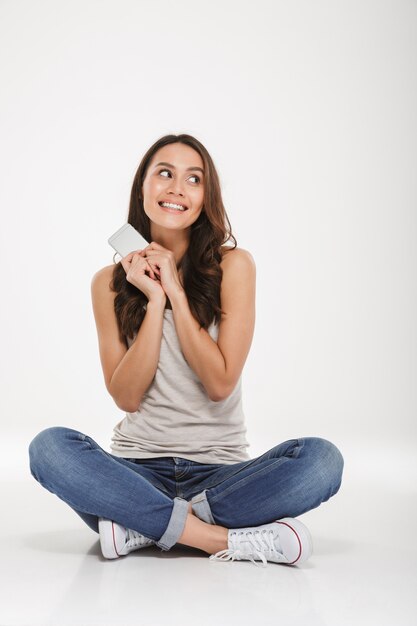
(200, 264)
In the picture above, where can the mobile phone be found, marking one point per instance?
(127, 239)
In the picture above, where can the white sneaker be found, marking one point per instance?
(284, 541)
(116, 540)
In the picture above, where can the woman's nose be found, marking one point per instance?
(176, 187)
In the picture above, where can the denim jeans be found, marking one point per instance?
(152, 496)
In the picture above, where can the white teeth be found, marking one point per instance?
(171, 205)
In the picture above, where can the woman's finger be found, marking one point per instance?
(149, 268)
(130, 256)
(129, 260)
(153, 264)
(125, 264)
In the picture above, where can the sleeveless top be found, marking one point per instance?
(177, 418)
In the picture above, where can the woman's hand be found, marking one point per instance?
(135, 265)
(162, 262)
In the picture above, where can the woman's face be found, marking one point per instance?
(174, 175)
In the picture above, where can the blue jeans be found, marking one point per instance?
(152, 496)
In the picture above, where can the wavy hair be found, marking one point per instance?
(200, 264)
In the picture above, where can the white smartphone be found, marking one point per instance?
(127, 239)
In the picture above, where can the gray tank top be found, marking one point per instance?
(177, 418)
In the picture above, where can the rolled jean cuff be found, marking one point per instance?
(176, 524)
(201, 507)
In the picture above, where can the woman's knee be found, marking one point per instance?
(47, 449)
(328, 463)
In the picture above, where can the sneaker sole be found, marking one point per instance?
(303, 536)
(106, 532)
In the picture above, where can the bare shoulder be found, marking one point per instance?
(102, 278)
(239, 277)
(240, 256)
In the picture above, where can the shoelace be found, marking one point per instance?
(259, 545)
(135, 539)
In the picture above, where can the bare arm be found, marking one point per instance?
(219, 365)
(127, 372)
(136, 370)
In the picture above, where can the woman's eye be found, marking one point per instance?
(193, 176)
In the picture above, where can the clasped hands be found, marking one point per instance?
(162, 264)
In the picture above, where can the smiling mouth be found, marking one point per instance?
(173, 206)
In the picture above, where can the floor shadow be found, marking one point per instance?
(83, 542)
(323, 545)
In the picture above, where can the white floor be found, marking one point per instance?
(363, 570)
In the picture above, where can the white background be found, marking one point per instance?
(308, 110)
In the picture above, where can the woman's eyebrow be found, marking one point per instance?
(173, 167)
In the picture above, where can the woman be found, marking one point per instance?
(175, 322)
